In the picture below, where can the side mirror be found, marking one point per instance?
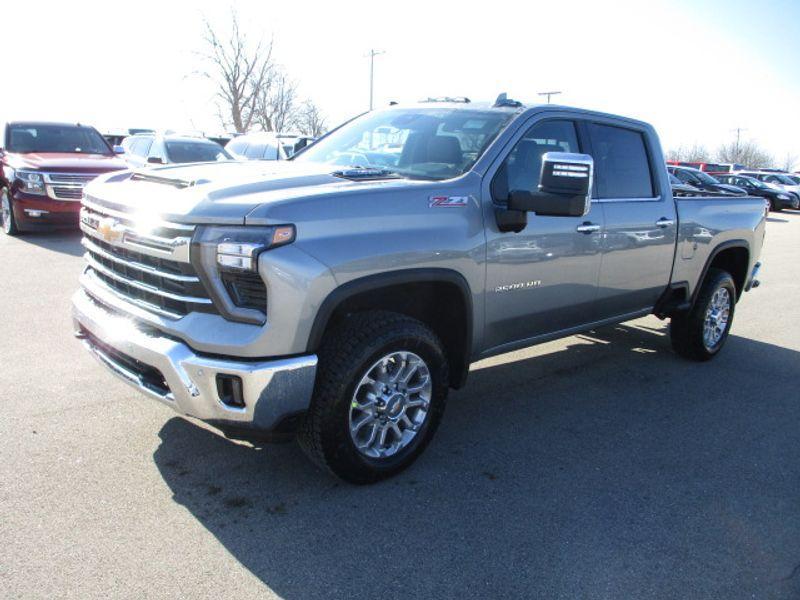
(565, 187)
(119, 149)
(155, 160)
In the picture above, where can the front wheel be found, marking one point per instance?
(701, 333)
(381, 389)
(7, 213)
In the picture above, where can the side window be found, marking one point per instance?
(255, 151)
(143, 147)
(771, 179)
(270, 152)
(684, 176)
(622, 169)
(238, 146)
(522, 168)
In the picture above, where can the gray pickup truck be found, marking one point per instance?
(336, 297)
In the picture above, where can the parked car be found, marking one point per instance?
(778, 199)
(294, 143)
(149, 149)
(261, 145)
(44, 169)
(704, 181)
(683, 189)
(781, 181)
(341, 302)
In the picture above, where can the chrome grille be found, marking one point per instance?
(66, 186)
(149, 269)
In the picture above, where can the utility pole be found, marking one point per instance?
(738, 131)
(372, 54)
(548, 94)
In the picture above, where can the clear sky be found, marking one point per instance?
(696, 70)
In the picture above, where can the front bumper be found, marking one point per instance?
(42, 212)
(169, 371)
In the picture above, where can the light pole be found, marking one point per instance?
(548, 94)
(372, 54)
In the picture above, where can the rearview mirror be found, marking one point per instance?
(119, 149)
(155, 160)
(565, 187)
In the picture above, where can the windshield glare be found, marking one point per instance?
(56, 138)
(191, 152)
(424, 143)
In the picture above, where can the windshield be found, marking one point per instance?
(28, 138)
(185, 151)
(423, 143)
(795, 179)
(705, 177)
(785, 180)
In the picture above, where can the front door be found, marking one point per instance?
(544, 278)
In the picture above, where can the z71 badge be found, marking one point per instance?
(448, 201)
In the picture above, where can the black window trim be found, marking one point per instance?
(654, 179)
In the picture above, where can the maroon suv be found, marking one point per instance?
(44, 169)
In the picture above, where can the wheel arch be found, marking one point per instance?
(734, 257)
(440, 298)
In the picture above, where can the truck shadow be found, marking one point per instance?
(610, 467)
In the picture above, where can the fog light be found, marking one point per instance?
(229, 389)
(32, 212)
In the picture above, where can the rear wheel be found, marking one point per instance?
(382, 385)
(701, 333)
(7, 213)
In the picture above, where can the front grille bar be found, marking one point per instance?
(142, 286)
(95, 249)
(97, 282)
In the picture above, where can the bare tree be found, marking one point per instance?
(310, 120)
(240, 71)
(789, 162)
(694, 153)
(747, 153)
(276, 106)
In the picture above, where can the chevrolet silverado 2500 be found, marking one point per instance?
(337, 296)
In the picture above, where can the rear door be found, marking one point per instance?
(640, 233)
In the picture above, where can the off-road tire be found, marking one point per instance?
(346, 354)
(686, 329)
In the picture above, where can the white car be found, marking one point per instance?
(262, 145)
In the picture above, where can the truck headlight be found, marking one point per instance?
(31, 182)
(226, 260)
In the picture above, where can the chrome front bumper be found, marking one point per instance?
(272, 390)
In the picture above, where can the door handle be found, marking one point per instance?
(587, 228)
(664, 222)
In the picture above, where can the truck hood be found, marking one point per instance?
(221, 192)
(66, 162)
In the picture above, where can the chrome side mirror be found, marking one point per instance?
(565, 187)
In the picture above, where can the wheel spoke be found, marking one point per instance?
(380, 425)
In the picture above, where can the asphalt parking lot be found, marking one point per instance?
(599, 466)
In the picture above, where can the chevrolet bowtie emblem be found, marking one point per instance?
(109, 229)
